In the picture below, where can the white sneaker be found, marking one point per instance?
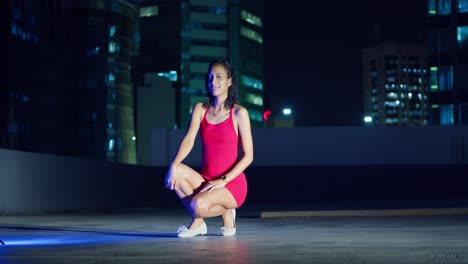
(183, 231)
(228, 231)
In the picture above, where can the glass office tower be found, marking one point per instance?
(448, 61)
(69, 90)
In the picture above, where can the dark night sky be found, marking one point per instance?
(313, 53)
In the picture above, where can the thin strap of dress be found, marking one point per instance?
(206, 112)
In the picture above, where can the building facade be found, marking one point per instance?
(395, 85)
(447, 45)
(69, 90)
(180, 38)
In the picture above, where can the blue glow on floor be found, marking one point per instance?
(32, 236)
(62, 239)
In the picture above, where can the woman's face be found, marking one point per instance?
(218, 80)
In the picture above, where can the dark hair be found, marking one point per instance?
(232, 97)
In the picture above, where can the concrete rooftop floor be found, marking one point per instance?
(149, 236)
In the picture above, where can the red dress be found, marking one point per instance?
(220, 144)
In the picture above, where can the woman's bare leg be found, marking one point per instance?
(188, 180)
(218, 202)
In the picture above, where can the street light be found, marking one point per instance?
(287, 111)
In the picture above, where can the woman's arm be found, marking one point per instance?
(186, 144)
(188, 141)
(245, 133)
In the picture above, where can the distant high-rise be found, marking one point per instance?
(180, 37)
(395, 85)
(69, 90)
(448, 61)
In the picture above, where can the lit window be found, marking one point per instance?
(251, 82)
(111, 77)
(462, 36)
(255, 99)
(111, 145)
(445, 78)
(112, 30)
(444, 7)
(256, 115)
(15, 29)
(446, 115)
(251, 18)
(171, 75)
(113, 47)
(463, 6)
(149, 11)
(251, 34)
(433, 80)
(218, 10)
(392, 95)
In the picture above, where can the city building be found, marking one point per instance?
(395, 85)
(448, 61)
(68, 89)
(180, 37)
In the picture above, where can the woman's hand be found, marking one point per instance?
(211, 185)
(171, 178)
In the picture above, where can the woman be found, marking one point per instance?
(221, 187)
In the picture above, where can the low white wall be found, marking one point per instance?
(335, 146)
(32, 182)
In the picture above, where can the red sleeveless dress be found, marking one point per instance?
(220, 144)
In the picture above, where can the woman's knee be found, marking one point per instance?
(178, 168)
(182, 171)
(199, 206)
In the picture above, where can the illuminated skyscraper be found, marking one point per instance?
(69, 90)
(448, 61)
(395, 85)
(180, 38)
